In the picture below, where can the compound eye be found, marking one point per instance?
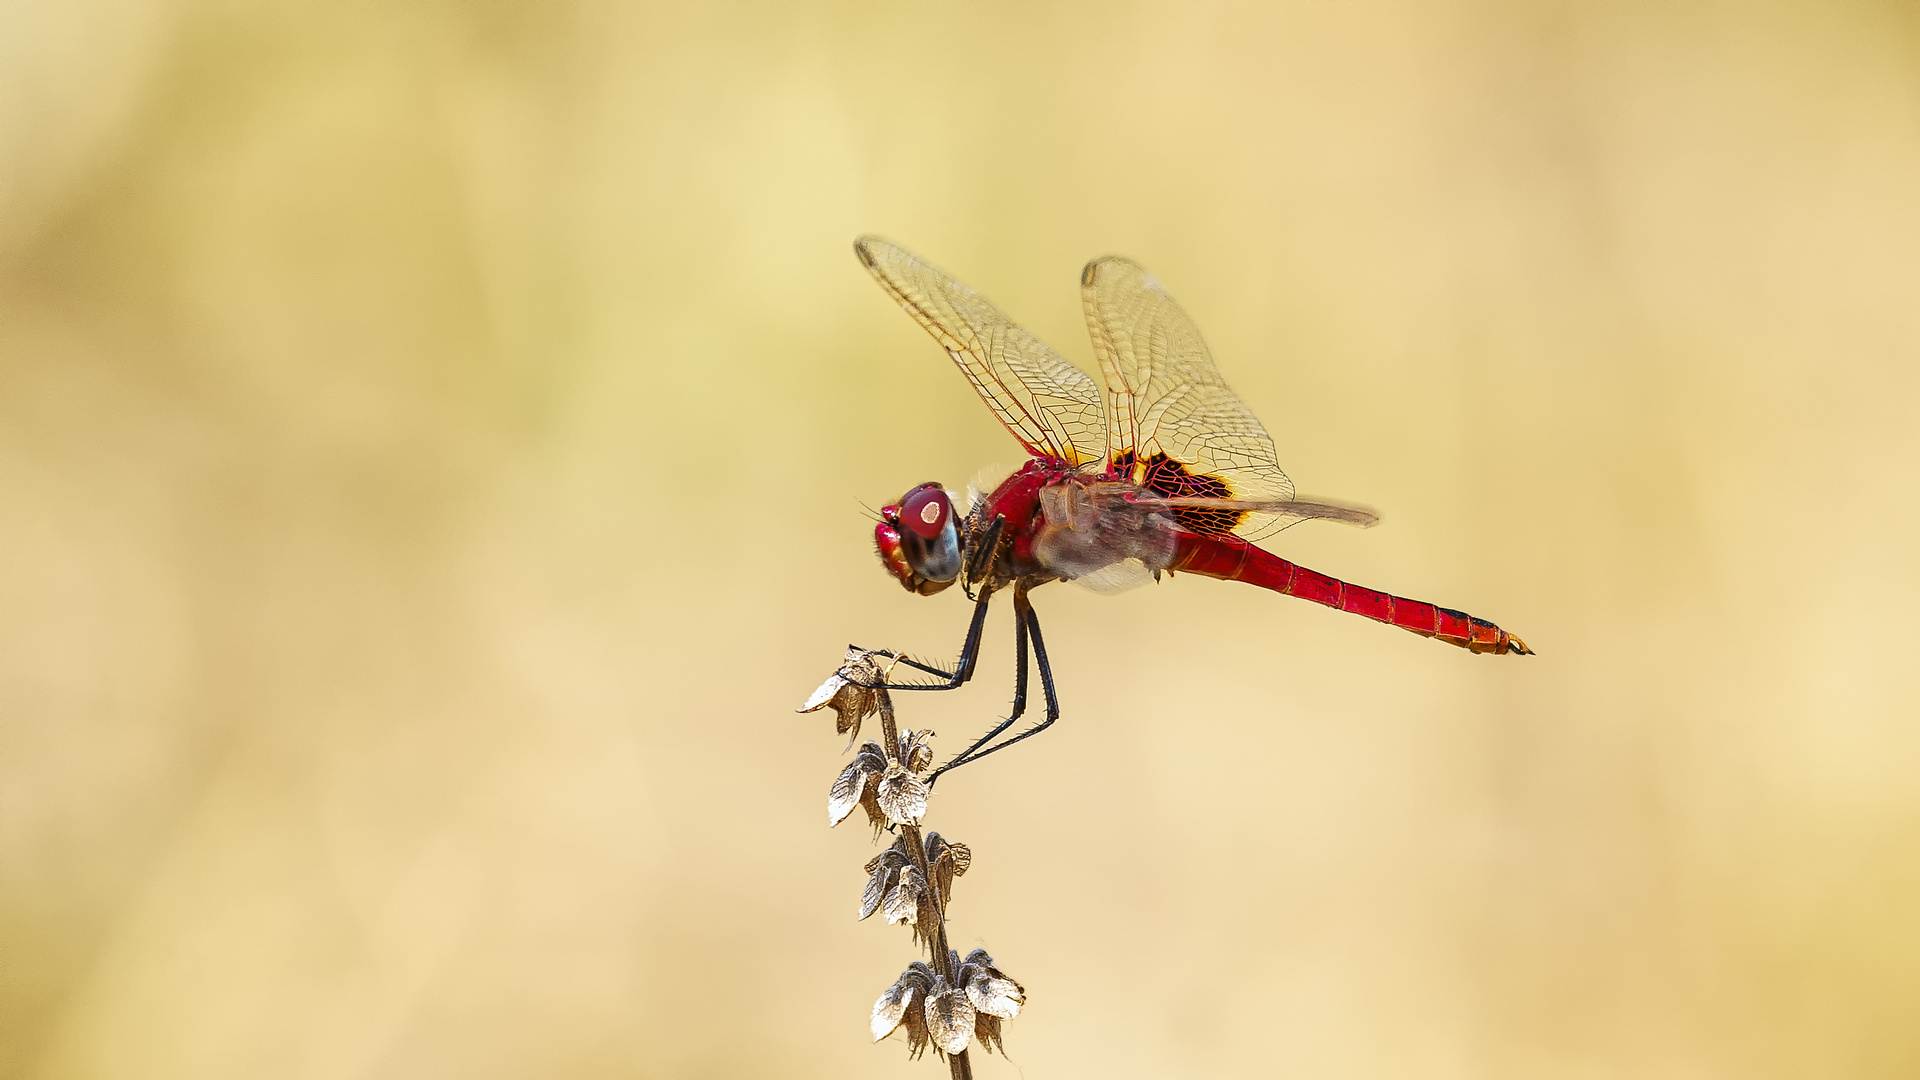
(926, 511)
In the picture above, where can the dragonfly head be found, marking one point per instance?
(919, 541)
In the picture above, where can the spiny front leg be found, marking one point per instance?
(1026, 627)
(962, 669)
(984, 554)
(1020, 613)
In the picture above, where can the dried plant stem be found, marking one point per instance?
(945, 1002)
(958, 1066)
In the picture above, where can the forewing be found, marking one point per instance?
(1052, 407)
(1172, 423)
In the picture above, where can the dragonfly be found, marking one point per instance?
(1170, 473)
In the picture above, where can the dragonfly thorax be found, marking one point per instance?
(1089, 527)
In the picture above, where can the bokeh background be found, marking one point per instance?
(432, 446)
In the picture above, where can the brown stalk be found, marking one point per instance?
(958, 1066)
(945, 1002)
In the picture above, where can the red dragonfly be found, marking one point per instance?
(1173, 475)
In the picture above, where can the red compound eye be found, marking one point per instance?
(925, 510)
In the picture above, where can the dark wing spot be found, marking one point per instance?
(1171, 479)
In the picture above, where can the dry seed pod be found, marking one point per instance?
(900, 1005)
(891, 793)
(994, 997)
(883, 872)
(854, 786)
(851, 704)
(901, 795)
(950, 1018)
(903, 900)
(950, 1015)
(988, 988)
(912, 880)
(946, 861)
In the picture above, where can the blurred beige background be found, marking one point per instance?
(432, 441)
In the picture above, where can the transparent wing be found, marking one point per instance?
(1052, 407)
(1172, 423)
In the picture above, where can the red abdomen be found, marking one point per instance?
(1233, 559)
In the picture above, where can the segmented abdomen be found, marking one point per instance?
(1232, 559)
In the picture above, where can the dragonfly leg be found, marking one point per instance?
(985, 553)
(1021, 612)
(1028, 628)
(962, 670)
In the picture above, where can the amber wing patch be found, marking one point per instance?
(1170, 479)
(1169, 410)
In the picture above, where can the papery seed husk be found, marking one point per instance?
(928, 918)
(903, 903)
(882, 873)
(891, 856)
(921, 977)
(949, 1019)
(891, 1008)
(902, 796)
(880, 878)
(995, 995)
(870, 802)
(939, 847)
(850, 703)
(917, 1036)
(947, 861)
(819, 698)
(935, 847)
(859, 664)
(871, 757)
(850, 786)
(986, 1032)
(978, 958)
(915, 754)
